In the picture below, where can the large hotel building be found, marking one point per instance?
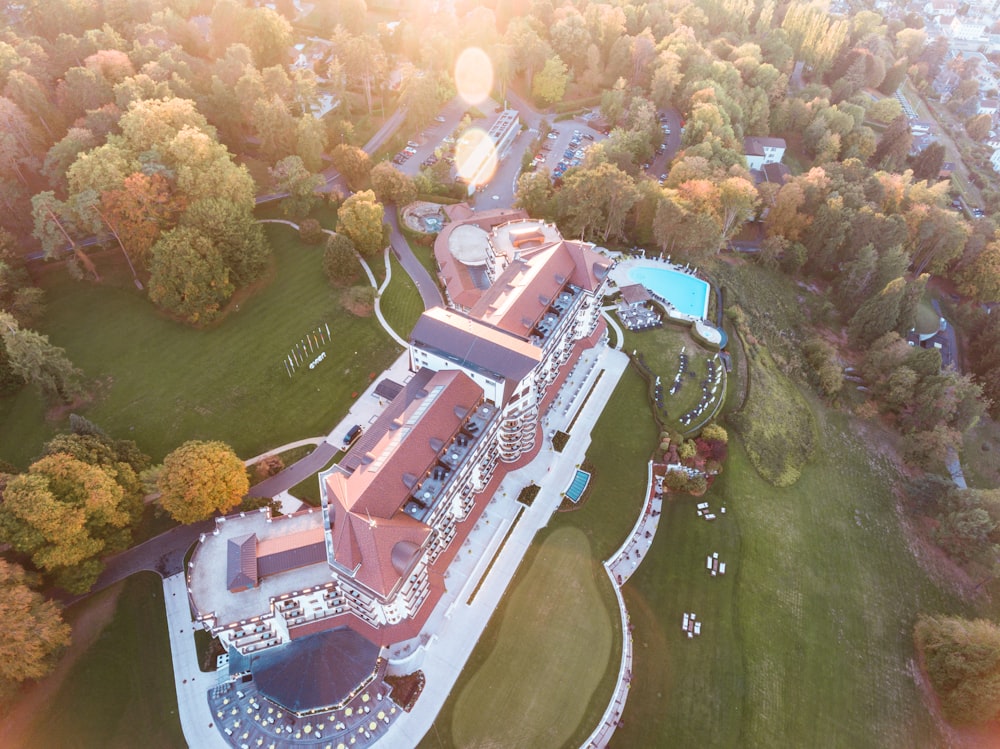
(397, 507)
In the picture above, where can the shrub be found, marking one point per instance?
(310, 231)
(359, 300)
(528, 494)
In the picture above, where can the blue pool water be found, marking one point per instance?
(687, 293)
(580, 482)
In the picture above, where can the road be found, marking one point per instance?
(296, 472)
(163, 555)
(427, 286)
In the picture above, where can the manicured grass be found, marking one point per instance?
(401, 302)
(161, 383)
(554, 642)
(121, 691)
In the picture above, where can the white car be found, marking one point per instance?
(439, 118)
(552, 136)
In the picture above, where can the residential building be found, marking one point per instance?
(760, 151)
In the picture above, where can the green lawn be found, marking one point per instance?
(401, 302)
(121, 691)
(160, 382)
(553, 646)
(807, 640)
(661, 349)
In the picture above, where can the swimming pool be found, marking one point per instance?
(687, 293)
(580, 481)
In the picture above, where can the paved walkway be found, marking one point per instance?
(613, 324)
(191, 684)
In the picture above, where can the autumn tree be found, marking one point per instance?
(894, 146)
(360, 219)
(927, 164)
(962, 659)
(34, 631)
(353, 163)
(978, 127)
(199, 479)
(879, 314)
(549, 85)
(65, 514)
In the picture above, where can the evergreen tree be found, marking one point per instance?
(878, 315)
(894, 146)
(927, 164)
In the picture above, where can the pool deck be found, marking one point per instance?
(620, 274)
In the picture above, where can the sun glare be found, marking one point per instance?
(475, 157)
(473, 75)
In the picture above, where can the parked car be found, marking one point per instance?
(553, 135)
(439, 118)
(588, 136)
(412, 144)
(352, 434)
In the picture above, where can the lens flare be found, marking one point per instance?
(473, 75)
(475, 157)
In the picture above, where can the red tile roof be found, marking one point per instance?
(366, 506)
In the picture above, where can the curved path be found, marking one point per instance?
(426, 285)
(613, 324)
(368, 272)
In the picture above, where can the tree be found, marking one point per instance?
(392, 186)
(64, 514)
(360, 218)
(878, 315)
(535, 193)
(353, 163)
(199, 479)
(885, 110)
(978, 127)
(979, 278)
(962, 659)
(738, 200)
(340, 261)
(927, 164)
(894, 146)
(291, 176)
(188, 277)
(54, 228)
(549, 85)
(33, 358)
(362, 58)
(34, 631)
